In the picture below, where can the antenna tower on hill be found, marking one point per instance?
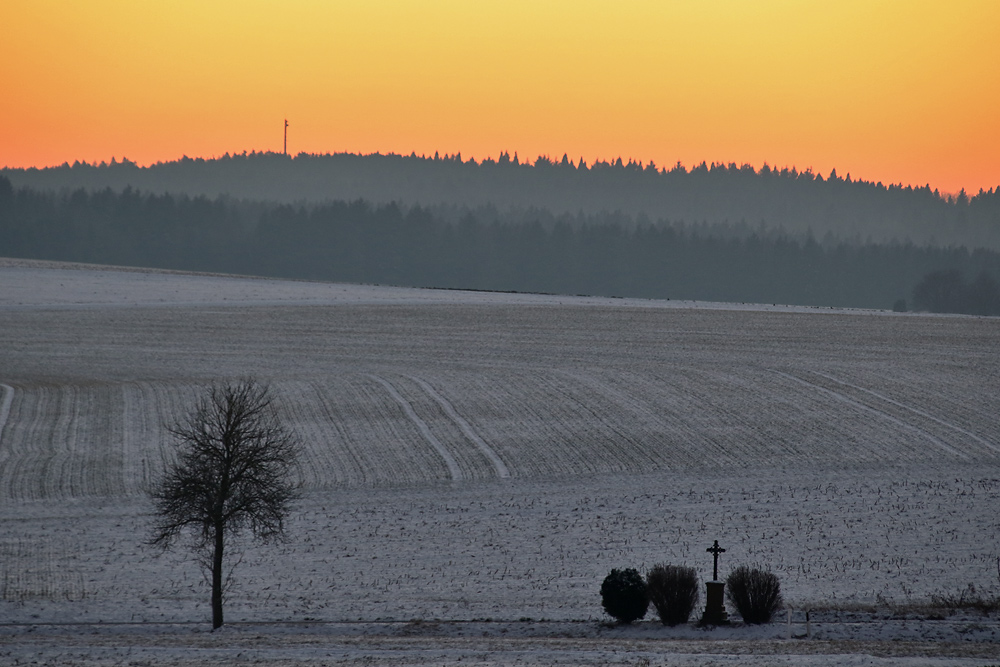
(285, 151)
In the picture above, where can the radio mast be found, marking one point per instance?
(285, 151)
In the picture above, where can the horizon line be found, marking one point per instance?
(525, 162)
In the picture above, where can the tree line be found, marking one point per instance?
(358, 241)
(797, 202)
(947, 291)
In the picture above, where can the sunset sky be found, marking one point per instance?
(899, 92)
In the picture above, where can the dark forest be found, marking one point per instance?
(793, 202)
(479, 248)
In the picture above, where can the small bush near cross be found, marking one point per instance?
(673, 590)
(755, 593)
(624, 596)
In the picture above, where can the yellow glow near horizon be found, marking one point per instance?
(889, 91)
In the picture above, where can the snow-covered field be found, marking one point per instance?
(474, 460)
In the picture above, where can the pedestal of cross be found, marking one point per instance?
(715, 608)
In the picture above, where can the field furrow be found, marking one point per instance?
(695, 436)
(471, 459)
(335, 456)
(454, 471)
(959, 438)
(56, 469)
(917, 433)
(5, 401)
(325, 459)
(380, 435)
(149, 410)
(498, 465)
(6, 449)
(80, 440)
(28, 439)
(826, 427)
(87, 440)
(617, 445)
(547, 423)
(958, 412)
(369, 438)
(527, 427)
(773, 421)
(141, 433)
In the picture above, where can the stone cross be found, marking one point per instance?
(715, 608)
(715, 550)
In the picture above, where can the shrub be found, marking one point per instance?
(623, 595)
(673, 590)
(756, 594)
(968, 599)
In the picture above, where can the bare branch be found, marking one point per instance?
(232, 473)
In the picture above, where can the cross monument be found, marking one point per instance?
(715, 609)
(715, 550)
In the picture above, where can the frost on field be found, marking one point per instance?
(519, 547)
(364, 429)
(492, 459)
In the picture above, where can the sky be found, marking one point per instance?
(898, 92)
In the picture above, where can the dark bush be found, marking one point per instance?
(673, 590)
(968, 599)
(756, 594)
(623, 595)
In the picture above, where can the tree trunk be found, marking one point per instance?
(217, 579)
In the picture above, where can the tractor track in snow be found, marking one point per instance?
(884, 415)
(453, 469)
(487, 451)
(916, 411)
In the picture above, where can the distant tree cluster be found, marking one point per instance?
(530, 250)
(947, 291)
(795, 201)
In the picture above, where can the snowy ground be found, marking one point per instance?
(32, 283)
(474, 643)
(476, 463)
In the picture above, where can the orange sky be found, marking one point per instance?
(905, 91)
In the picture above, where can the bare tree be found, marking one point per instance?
(232, 473)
